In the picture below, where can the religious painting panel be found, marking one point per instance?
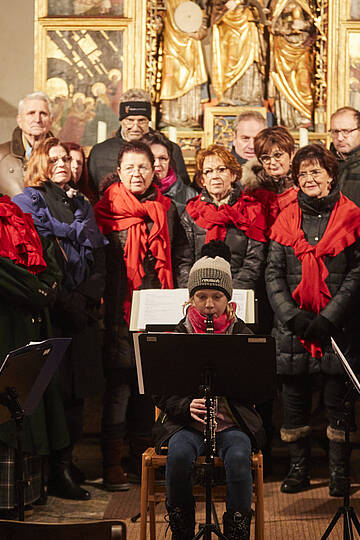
(83, 8)
(355, 9)
(219, 123)
(83, 71)
(352, 78)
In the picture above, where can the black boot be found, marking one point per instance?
(237, 525)
(337, 469)
(61, 483)
(182, 522)
(298, 478)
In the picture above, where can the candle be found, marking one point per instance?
(303, 137)
(172, 134)
(101, 131)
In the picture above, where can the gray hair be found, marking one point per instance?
(249, 115)
(135, 94)
(41, 96)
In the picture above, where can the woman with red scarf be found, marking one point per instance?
(222, 212)
(142, 226)
(313, 283)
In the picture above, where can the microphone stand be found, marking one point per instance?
(210, 446)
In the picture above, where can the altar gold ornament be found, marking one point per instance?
(292, 39)
(183, 71)
(238, 59)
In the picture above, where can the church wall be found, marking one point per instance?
(16, 59)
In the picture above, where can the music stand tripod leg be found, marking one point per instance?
(346, 510)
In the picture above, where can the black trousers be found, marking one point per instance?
(297, 399)
(126, 413)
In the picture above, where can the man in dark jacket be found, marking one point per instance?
(247, 126)
(345, 134)
(135, 116)
(34, 121)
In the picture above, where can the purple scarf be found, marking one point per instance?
(168, 181)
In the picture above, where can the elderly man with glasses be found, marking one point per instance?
(135, 117)
(345, 135)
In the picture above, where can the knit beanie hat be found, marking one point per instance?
(135, 108)
(212, 271)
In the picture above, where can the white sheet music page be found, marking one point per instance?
(165, 306)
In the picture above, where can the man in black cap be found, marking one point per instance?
(135, 115)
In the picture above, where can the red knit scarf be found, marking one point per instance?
(120, 210)
(198, 321)
(246, 214)
(343, 229)
(19, 240)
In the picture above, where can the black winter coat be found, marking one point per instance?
(103, 160)
(247, 256)
(118, 350)
(349, 174)
(283, 274)
(175, 410)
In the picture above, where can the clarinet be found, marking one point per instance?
(213, 401)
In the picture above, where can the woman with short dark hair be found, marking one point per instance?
(169, 182)
(271, 169)
(313, 284)
(144, 234)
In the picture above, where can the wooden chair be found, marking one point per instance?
(151, 492)
(105, 529)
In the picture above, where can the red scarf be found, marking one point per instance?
(120, 210)
(343, 229)
(19, 240)
(198, 321)
(246, 214)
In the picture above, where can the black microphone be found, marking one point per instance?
(210, 324)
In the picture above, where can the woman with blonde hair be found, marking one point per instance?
(67, 219)
(222, 212)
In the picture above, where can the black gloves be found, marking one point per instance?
(320, 330)
(300, 323)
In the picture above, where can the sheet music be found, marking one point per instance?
(164, 306)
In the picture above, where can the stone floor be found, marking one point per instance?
(302, 516)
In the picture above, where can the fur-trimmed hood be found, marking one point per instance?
(249, 178)
(254, 176)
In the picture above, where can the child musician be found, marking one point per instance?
(182, 419)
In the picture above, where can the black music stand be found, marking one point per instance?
(24, 376)
(346, 510)
(240, 366)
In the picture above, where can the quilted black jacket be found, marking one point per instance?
(283, 274)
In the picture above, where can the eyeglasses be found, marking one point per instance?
(142, 122)
(219, 170)
(64, 159)
(265, 159)
(142, 169)
(344, 132)
(315, 174)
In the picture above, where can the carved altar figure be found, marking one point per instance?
(238, 54)
(293, 35)
(183, 72)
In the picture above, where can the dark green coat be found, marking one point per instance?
(24, 301)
